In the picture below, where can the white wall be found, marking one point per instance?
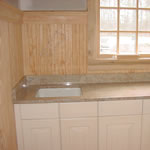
(13, 2)
(53, 4)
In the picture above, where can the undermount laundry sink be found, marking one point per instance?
(58, 92)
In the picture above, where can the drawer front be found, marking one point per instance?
(146, 107)
(125, 107)
(81, 109)
(39, 111)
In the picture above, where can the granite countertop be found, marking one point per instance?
(90, 92)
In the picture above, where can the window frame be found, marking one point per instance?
(96, 64)
(116, 57)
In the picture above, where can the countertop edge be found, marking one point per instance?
(35, 101)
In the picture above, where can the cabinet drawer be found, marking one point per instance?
(39, 111)
(82, 109)
(125, 107)
(146, 107)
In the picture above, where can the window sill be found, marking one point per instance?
(122, 58)
(100, 65)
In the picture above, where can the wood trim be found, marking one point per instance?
(125, 8)
(137, 27)
(9, 13)
(16, 52)
(10, 7)
(7, 121)
(11, 68)
(55, 17)
(13, 18)
(92, 29)
(118, 68)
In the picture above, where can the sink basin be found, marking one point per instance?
(58, 92)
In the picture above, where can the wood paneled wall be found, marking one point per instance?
(11, 71)
(16, 52)
(7, 125)
(13, 17)
(55, 43)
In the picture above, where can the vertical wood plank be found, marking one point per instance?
(59, 47)
(7, 121)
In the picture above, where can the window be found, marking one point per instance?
(124, 29)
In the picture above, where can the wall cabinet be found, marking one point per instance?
(106, 125)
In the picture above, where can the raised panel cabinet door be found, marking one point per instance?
(146, 132)
(41, 134)
(79, 134)
(120, 133)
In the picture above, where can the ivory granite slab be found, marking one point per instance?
(90, 92)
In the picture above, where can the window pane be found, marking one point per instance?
(127, 43)
(108, 3)
(144, 3)
(144, 20)
(128, 3)
(144, 43)
(108, 19)
(127, 20)
(108, 43)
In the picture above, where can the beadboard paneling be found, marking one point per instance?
(55, 43)
(11, 71)
(16, 53)
(7, 121)
(13, 17)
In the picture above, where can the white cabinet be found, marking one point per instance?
(120, 125)
(146, 132)
(105, 125)
(79, 134)
(41, 134)
(38, 127)
(79, 126)
(146, 126)
(119, 133)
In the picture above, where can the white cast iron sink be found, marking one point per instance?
(58, 92)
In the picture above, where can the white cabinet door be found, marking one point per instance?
(120, 133)
(41, 134)
(146, 132)
(79, 134)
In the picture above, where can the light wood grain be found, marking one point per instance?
(7, 121)
(11, 71)
(54, 43)
(9, 13)
(92, 29)
(13, 17)
(16, 52)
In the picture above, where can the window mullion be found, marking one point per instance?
(118, 19)
(137, 26)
